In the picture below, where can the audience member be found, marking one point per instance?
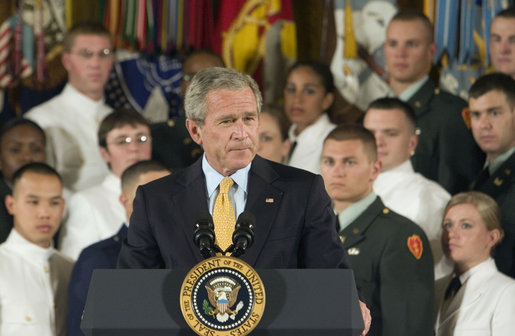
(477, 299)
(173, 145)
(274, 144)
(295, 226)
(501, 44)
(96, 213)
(104, 254)
(492, 116)
(410, 194)
(22, 141)
(71, 119)
(33, 275)
(446, 152)
(308, 94)
(387, 252)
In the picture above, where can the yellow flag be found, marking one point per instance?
(350, 49)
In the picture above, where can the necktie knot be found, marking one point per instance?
(454, 287)
(225, 185)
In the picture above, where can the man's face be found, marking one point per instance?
(194, 64)
(88, 64)
(229, 134)
(347, 170)
(408, 51)
(493, 123)
(502, 45)
(395, 139)
(37, 207)
(20, 145)
(126, 145)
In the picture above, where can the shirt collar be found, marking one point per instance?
(213, 178)
(412, 89)
(498, 161)
(350, 214)
(27, 249)
(479, 268)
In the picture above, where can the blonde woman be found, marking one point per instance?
(476, 299)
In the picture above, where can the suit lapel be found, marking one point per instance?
(189, 203)
(421, 99)
(354, 233)
(263, 201)
(501, 179)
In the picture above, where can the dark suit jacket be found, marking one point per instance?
(501, 187)
(446, 151)
(6, 220)
(295, 223)
(398, 287)
(103, 254)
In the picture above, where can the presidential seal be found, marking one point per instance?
(222, 296)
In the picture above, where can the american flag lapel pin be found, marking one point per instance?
(269, 200)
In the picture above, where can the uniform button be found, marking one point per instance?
(386, 210)
(437, 91)
(28, 319)
(46, 269)
(342, 239)
(355, 230)
(417, 104)
(116, 238)
(171, 123)
(186, 141)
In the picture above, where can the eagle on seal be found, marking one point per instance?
(223, 300)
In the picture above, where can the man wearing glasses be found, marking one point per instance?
(70, 120)
(96, 213)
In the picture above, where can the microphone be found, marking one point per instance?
(243, 235)
(204, 235)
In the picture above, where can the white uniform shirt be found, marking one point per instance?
(93, 215)
(26, 297)
(310, 142)
(71, 121)
(484, 305)
(419, 199)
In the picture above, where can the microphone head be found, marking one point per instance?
(244, 228)
(204, 228)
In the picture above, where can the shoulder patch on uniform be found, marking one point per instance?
(415, 246)
(465, 114)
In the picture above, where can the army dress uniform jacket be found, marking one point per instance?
(446, 151)
(501, 187)
(393, 265)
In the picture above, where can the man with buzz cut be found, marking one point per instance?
(389, 254)
(408, 193)
(104, 254)
(492, 116)
(34, 276)
(446, 152)
(70, 119)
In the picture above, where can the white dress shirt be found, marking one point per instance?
(93, 215)
(70, 121)
(310, 142)
(419, 199)
(484, 305)
(26, 296)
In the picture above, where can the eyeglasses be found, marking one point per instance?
(88, 54)
(125, 141)
(188, 77)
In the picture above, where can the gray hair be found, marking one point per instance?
(195, 101)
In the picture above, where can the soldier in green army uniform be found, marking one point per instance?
(492, 117)
(172, 144)
(390, 255)
(446, 151)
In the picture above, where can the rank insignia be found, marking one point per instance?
(415, 246)
(353, 251)
(498, 182)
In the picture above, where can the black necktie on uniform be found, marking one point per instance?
(453, 288)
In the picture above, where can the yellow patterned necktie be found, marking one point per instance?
(223, 215)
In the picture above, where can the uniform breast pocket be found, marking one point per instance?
(19, 318)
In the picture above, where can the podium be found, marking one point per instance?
(298, 302)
